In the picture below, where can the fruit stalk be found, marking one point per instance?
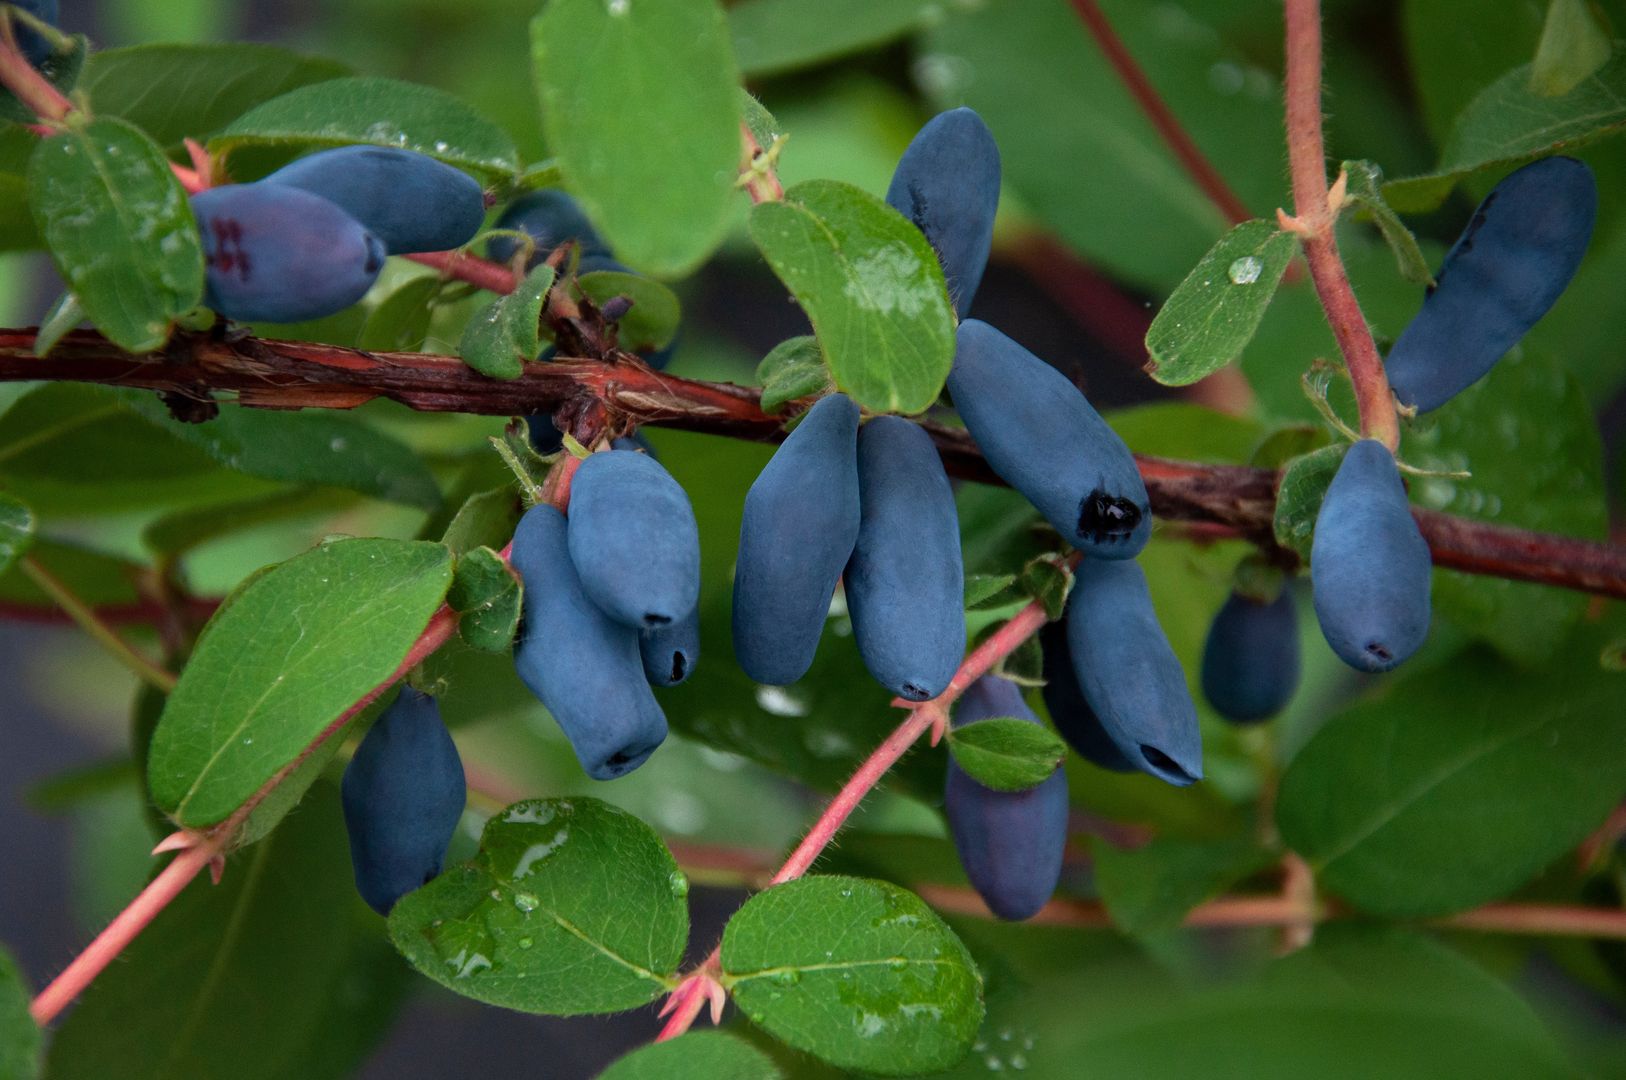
(29, 86)
(1315, 216)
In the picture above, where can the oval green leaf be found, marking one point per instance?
(872, 287)
(656, 312)
(1151, 889)
(296, 647)
(383, 112)
(20, 1037)
(699, 1055)
(486, 593)
(859, 973)
(572, 906)
(119, 229)
(794, 368)
(1007, 754)
(505, 333)
(1298, 496)
(1211, 317)
(772, 36)
(640, 104)
(1402, 805)
(16, 530)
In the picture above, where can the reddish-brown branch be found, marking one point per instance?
(291, 374)
(146, 613)
(1315, 217)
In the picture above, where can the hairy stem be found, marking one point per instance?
(29, 86)
(87, 619)
(1314, 221)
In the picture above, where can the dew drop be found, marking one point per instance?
(679, 883)
(524, 943)
(1246, 270)
(526, 902)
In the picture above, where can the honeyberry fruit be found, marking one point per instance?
(947, 183)
(551, 218)
(1509, 266)
(1369, 564)
(633, 540)
(671, 652)
(1128, 672)
(799, 527)
(1041, 436)
(403, 794)
(1010, 842)
(1251, 657)
(905, 581)
(33, 44)
(275, 253)
(410, 201)
(1075, 721)
(583, 665)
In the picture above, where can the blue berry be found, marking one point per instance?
(1251, 657)
(1075, 721)
(550, 217)
(410, 201)
(947, 183)
(671, 652)
(33, 45)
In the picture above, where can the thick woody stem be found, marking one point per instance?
(1314, 220)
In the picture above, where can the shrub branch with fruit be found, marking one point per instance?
(241, 274)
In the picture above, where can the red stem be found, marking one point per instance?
(1314, 222)
(31, 88)
(1157, 111)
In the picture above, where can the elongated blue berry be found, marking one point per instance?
(634, 540)
(1039, 433)
(550, 217)
(410, 201)
(800, 524)
(583, 665)
(1509, 266)
(1075, 721)
(31, 42)
(947, 183)
(279, 254)
(905, 582)
(1010, 842)
(403, 794)
(1369, 564)
(1129, 674)
(1251, 657)
(671, 652)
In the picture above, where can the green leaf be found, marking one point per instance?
(1286, 443)
(505, 333)
(1025, 665)
(1007, 754)
(1508, 123)
(294, 649)
(1211, 317)
(177, 533)
(16, 530)
(383, 112)
(487, 519)
(793, 369)
(1019, 59)
(758, 120)
(872, 287)
(1047, 581)
(65, 315)
(653, 321)
(399, 322)
(1181, 429)
(989, 590)
(119, 228)
(1573, 46)
(1531, 441)
(572, 906)
(1151, 889)
(1402, 805)
(486, 593)
(174, 92)
(1366, 191)
(859, 973)
(649, 144)
(1298, 497)
(98, 579)
(775, 36)
(20, 1037)
(278, 971)
(698, 1055)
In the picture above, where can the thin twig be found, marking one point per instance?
(86, 618)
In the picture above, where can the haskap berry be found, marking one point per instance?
(947, 183)
(1251, 657)
(410, 201)
(905, 582)
(582, 664)
(1129, 674)
(671, 652)
(1010, 842)
(403, 794)
(1369, 564)
(1075, 721)
(550, 217)
(1509, 266)
(633, 540)
(1041, 436)
(799, 527)
(276, 253)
